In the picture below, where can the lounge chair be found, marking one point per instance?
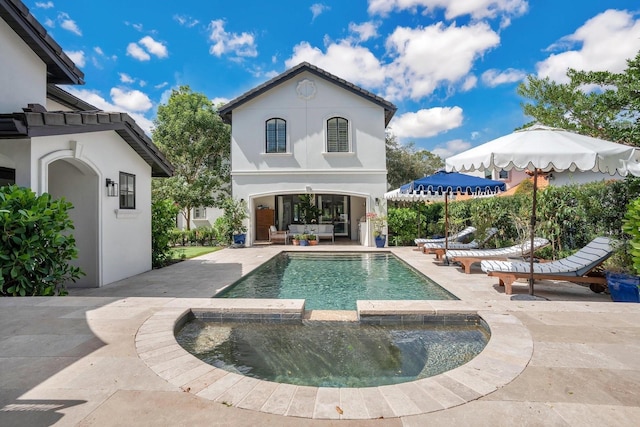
(574, 268)
(439, 248)
(469, 257)
(276, 236)
(457, 237)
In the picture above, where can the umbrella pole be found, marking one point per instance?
(533, 228)
(446, 227)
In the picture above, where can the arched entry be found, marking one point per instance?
(79, 184)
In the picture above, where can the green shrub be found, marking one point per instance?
(631, 226)
(569, 216)
(35, 246)
(222, 230)
(163, 219)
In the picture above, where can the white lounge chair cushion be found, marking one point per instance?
(518, 250)
(471, 245)
(453, 237)
(578, 264)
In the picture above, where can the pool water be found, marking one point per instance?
(335, 281)
(333, 354)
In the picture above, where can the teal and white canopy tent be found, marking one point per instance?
(544, 149)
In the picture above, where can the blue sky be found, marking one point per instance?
(450, 66)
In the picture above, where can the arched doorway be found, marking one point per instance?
(79, 184)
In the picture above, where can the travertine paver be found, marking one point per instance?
(92, 373)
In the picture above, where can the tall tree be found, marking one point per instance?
(197, 142)
(597, 103)
(406, 163)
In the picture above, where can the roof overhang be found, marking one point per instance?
(60, 68)
(35, 124)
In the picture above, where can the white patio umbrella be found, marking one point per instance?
(542, 149)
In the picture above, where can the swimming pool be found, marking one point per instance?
(335, 281)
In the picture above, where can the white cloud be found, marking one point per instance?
(154, 47)
(44, 5)
(142, 83)
(477, 9)
(132, 100)
(451, 148)
(98, 50)
(137, 52)
(422, 59)
(493, 77)
(364, 31)
(186, 21)
(469, 83)
(49, 23)
(426, 57)
(69, 24)
(317, 9)
(604, 43)
(161, 85)
(355, 64)
(94, 98)
(126, 78)
(238, 45)
(427, 122)
(77, 56)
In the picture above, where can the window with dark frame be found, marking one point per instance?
(503, 174)
(127, 191)
(276, 136)
(337, 135)
(7, 176)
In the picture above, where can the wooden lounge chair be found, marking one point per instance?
(276, 236)
(457, 237)
(439, 248)
(466, 258)
(574, 268)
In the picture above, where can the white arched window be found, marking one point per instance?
(276, 136)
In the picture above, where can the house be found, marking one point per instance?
(51, 141)
(309, 132)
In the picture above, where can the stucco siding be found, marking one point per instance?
(22, 73)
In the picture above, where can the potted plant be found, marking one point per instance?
(378, 223)
(296, 239)
(303, 240)
(313, 239)
(235, 212)
(308, 211)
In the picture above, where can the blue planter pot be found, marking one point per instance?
(239, 239)
(623, 287)
(304, 243)
(380, 241)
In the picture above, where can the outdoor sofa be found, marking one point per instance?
(323, 231)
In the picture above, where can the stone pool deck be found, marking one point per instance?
(103, 357)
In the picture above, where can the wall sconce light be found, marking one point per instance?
(377, 201)
(112, 188)
(308, 188)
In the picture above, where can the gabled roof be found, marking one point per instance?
(227, 109)
(60, 68)
(32, 124)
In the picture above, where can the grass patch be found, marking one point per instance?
(187, 252)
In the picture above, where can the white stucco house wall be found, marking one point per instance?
(307, 131)
(53, 142)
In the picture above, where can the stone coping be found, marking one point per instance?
(505, 356)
